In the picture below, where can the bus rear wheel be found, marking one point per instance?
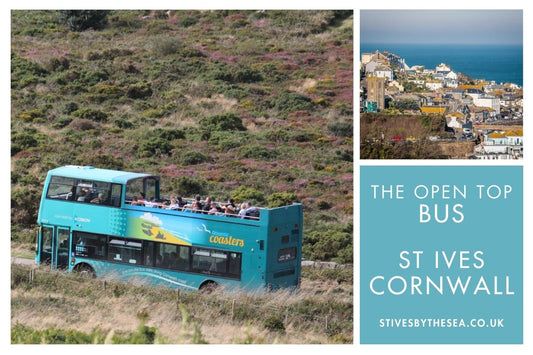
(208, 287)
(85, 270)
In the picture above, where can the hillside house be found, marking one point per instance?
(455, 120)
(490, 102)
(384, 72)
(479, 114)
(501, 145)
(434, 85)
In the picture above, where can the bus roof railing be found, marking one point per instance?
(163, 204)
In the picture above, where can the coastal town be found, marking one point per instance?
(481, 119)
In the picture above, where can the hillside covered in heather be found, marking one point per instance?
(254, 105)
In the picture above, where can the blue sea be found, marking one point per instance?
(501, 63)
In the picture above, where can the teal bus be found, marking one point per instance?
(90, 220)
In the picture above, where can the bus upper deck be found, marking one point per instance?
(101, 186)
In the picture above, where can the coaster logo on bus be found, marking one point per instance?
(215, 239)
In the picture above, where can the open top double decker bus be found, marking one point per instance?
(89, 222)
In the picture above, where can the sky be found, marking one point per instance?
(442, 26)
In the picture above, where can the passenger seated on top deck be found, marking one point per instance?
(196, 208)
(151, 203)
(135, 201)
(242, 209)
(230, 210)
(143, 199)
(198, 199)
(181, 203)
(207, 204)
(247, 210)
(173, 205)
(252, 211)
(213, 209)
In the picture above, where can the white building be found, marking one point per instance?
(501, 145)
(488, 101)
(383, 72)
(366, 57)
(371, 66)
(442, 68)
(434, 85)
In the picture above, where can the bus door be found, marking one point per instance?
(61, 248)
(45, 245)
(54, 246)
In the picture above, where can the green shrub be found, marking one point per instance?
(92, 77)
(123, 123)
(25, 72)
(289, 102)
(323, 205)
(104, 161)
(22, 141)
(144, 335)
(154, 146)
(164, 45)
(227, 140)
(243, 194)
(278, 136)
(247, 75)
(21, 334)
(169, 134)
(305, 136)
(257, 152)
(90, 114)
(188, 186)
(232, 76)
(221, 122)
(330, 243)
(31, 115)
(191, 53)
(278, 199)
(139, 91)
(107, 91)
(70, 107)
(274, 323)
(193, 158)
(341, 129)
(24, 206)
(81, 20)
(188, 21)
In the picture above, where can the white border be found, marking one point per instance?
(527, 348)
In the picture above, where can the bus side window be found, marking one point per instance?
(148, 251)
(234, 264)
(183, 258)
(90, 245)
(60, 188)
(127, 251)
(116, 194)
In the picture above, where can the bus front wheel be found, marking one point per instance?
(85, 270)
